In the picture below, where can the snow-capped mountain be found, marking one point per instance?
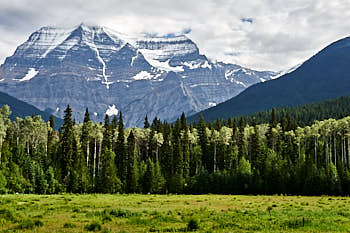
(107, 71)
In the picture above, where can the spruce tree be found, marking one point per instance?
(52, 121)
(152, 145)
(185, 146)
(108, 180)
(121, 154)
(146, 123)
(271, 137)
(80, 170)
(148, 179)
(242, 150)
(177, 181)
(257, 158)
(67, 149)
(107, 135)
(159, 181)
(132, 171)
(114, 128)
(204, 144)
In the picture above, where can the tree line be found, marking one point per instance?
(233, 158)
(303, 115)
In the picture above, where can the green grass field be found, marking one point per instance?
(173, 213)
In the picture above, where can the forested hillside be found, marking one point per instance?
(22, 109)
(304, 115)
(163, 158)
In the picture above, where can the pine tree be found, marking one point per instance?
(166, 154)
(51, 181)
(67, 149)
(177, 181)
(271, 137)
(159, 181)
(148, 179)
(242, 151)
(108, 180)
(132, 171)
(257, 157)
(146, 123)
(121, 153)
(185, 146)
(85, 146)
(114, 129)
(107, 135)
(52, 121)
(80, 169)
(152, 145)
(204, 142)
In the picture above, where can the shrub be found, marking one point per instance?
(30, 224)
(193, 225)
(94, 226)
(7, 215)
(69, 225)
(120, 213)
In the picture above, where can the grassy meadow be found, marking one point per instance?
(173, 213)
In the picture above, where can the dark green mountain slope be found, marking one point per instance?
(22, 109)
(304, 115)
(326, 75)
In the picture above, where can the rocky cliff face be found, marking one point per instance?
(106, 71)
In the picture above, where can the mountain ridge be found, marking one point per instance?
(21, 109)
(95, 67)
(323, 76)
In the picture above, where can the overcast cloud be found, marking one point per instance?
(260, 34)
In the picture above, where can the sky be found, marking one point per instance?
(259, 34)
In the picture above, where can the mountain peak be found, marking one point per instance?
(96, 67)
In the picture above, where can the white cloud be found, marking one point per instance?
(282, 32)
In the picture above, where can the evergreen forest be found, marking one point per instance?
(237, 157)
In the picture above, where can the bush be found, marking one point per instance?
(69, 225)
(94, 226)
(120, 213)
(3, 183)
(30, 224)
(193, 225)
(7, 215)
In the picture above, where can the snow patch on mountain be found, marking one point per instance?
(281, 73)
(100, 59)
(2, 80)
(206, 65)
(30, 74)
(52, 41)
(204, 84)
(144, 75)
(197, 64)
(152, 57)
(133, 59)
(240, 83)
(112, 110)
(192, 64)
(229, 73)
